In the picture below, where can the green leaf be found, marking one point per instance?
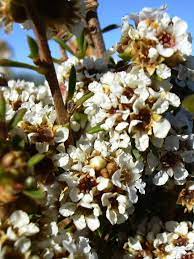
(188, 103)
(35, 159)
(83, 99)
(17, 118)
(111, 60)
(125, 56)
(12, 63)
(95, 129)
(2, 107)
(82, 44)
(72, 82)
(63, 45)
(35, 194)
(136, 154)
(34, 50)
(110, 28)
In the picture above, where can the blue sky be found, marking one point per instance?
(110, 11)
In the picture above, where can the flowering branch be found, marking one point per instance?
(94, 27)
(46, 61)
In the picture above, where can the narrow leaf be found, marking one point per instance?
(82, 44)
(81, 39)
(136, 154)
(83, 99)
(34, 160)
(111, 60)
(63, 45)
(17, 118)
(95, 129)
(110, 28)
(2, 107)
(35, 194)
(72, 82)
(13, 63)
(34, 51)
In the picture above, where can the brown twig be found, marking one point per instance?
(94, 27)
(46, 61)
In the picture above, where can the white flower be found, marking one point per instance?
(149, 13)
(19, 218)
(61, 134)
(145, 121)
(118, 207)
(170, 161)
(78, 247)
(153, 54)
(177, 39)
(61, 160)
(163, 71)
(119, 140)
(76, 212)
(128, 176)
(20, 228)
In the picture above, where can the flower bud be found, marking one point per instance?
(30, 182)
(104, 173)
(111, 167)
(98, 163)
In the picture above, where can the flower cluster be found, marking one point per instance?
(131, 106)
(155, 40)
(97, 180)
(18, 233)
(87, 188)
(171, 240)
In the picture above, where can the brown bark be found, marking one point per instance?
(94, 27)
(46, 61)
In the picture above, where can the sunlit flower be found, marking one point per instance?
(84, 214)
(118, 207)
(128, 177)
(170, 161)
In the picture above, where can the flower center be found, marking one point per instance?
(128, 92)
(181, 241)
(127, 177)
(167, 39)
(145, 115)
(87, 183)
(189, 255)
(114, 203)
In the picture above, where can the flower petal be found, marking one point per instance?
(61, 134)
(67, 209)
(160, 178)
(161, 128)
(141, 141)
(79, 221)
(92, 222)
